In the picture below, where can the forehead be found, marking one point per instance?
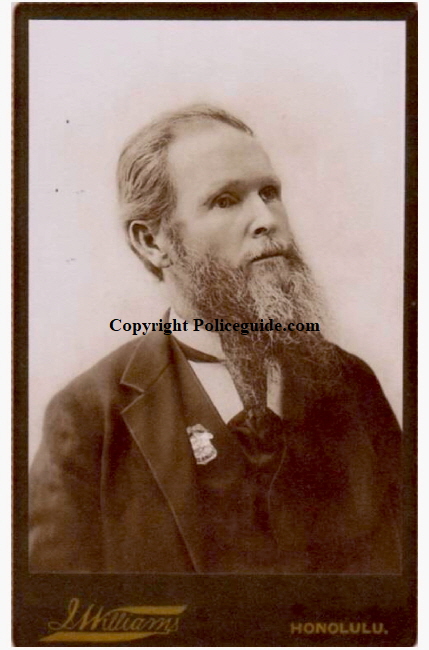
(211, 154)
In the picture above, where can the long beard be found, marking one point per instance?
(281, 288)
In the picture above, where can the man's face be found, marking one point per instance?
(228, 196)
(233, 257)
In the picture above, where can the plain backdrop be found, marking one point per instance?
(327, 100)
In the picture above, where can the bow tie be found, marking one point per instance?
(261, 436)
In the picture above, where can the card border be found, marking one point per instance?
(204, 624)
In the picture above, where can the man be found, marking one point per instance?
(271, 451)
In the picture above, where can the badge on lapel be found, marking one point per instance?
(200, 439)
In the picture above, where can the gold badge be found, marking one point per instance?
(200, 439)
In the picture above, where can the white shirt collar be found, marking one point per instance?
(225, 399)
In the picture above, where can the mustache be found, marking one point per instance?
(274, 249)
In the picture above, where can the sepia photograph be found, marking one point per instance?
(217, 265)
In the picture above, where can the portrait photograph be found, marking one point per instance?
(215, 307)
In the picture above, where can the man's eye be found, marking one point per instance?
(270, 193)
(224, 201)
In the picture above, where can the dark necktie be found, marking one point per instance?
(261, 435)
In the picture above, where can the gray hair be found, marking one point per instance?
(145, 190)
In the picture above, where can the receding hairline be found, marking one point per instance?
(184, 129)
(171, 121)
(200, 112)
(188, 130)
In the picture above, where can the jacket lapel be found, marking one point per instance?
(171, 399)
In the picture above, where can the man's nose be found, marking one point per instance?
(264, 219)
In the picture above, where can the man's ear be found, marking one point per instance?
(149, 245)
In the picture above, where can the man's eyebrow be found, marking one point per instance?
(239, 184)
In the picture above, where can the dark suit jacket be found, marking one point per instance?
(113, 487)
